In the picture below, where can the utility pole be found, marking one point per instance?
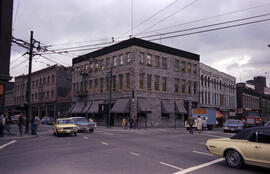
(110, 99)
(28, 93)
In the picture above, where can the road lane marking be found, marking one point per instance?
(133, 153)
(202, 153)
(85, 138)
(104, 143)
(1, 147)
(169, 165)
(199, 166)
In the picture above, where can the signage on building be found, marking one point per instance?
(199, 110)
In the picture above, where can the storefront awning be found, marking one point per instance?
(167, 106)
(121, 106)
(86, 108)
(143, 105)
(179, 107)
(94, 108)
(78, 108)
(219, 115)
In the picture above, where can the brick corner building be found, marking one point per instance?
(152, 83)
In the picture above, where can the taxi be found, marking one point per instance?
(250, 146)
(64, 126)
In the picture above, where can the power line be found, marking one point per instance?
(186, 6)
(205, 26)
(211, 17)
(18, 64)
(18, 58)
(147, 19)
(214, 29)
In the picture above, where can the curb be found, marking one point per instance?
(18, 138)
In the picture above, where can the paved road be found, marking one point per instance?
(117, 151)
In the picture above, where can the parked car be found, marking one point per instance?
(83, 124)
(250, 146)
(64, 126)
(267, 124)
(47, 120)
(233, 125)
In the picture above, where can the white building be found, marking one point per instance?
(217, 90)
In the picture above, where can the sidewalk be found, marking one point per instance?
(15, 135)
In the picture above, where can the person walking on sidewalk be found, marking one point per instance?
(190, 123)
(124, 123)
(199, 124)
(2, 125)
(8, 123)
(21, 123)
(36, 122)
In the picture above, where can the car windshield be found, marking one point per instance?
(79, 120)
(233, 121)
(64, 121)
(267, 124)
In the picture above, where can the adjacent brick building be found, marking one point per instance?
(50, 91)
(152, 82)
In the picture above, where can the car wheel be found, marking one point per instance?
(234, 159)
(91, 130)
(225, 130)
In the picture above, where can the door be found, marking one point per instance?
(262, 148)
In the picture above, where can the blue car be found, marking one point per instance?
(83, 124)
(233, 125)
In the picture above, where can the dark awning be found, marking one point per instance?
(86, 108)
(79, 106)
(121, 106)
(71, 108)
(179, 107)
(94, 108)
(167, 106)
(143, 105)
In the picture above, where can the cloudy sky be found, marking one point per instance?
(239, 51)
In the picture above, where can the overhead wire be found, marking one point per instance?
(167, 17)
(205, 26)
(18, 58)
(147, 19)
(210, 17)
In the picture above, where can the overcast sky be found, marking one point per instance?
(241, 51)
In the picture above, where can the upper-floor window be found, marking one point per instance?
(120, 82)
(128, 57)
(96, 66)
(121, 59)
(157, 61)
(128, 80)
(183, 86)
(95, 85)
(189, 87)
(202, 80)
(114, 61)
(52, 79)
(195, 88)
(114, 83)
(208, 80)
(102, 65)
(48, 80)
(195, 68)
(164, 63)
(177, 65)
(52, 94)
(90, 87)
(101, 85)
(149, 59)
(107, 84)
(189, 67)
(164, 84)
(141, 81)
(149, 82)
(141, 57)
(157, 83)
(107, 64)
(183, 66)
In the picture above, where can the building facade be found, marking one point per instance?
(152, 83)
(251, 96)
(50, 91)
(217, 90)
(6, 8)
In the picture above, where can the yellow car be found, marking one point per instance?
(64, 126)
(250, 146)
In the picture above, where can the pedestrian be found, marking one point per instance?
(35, 125)
(2, 125)
(21, 123)
(130, 123)
(199, 124)
(136, 123)
(190, 123)
(8, 123)
(124, 123)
